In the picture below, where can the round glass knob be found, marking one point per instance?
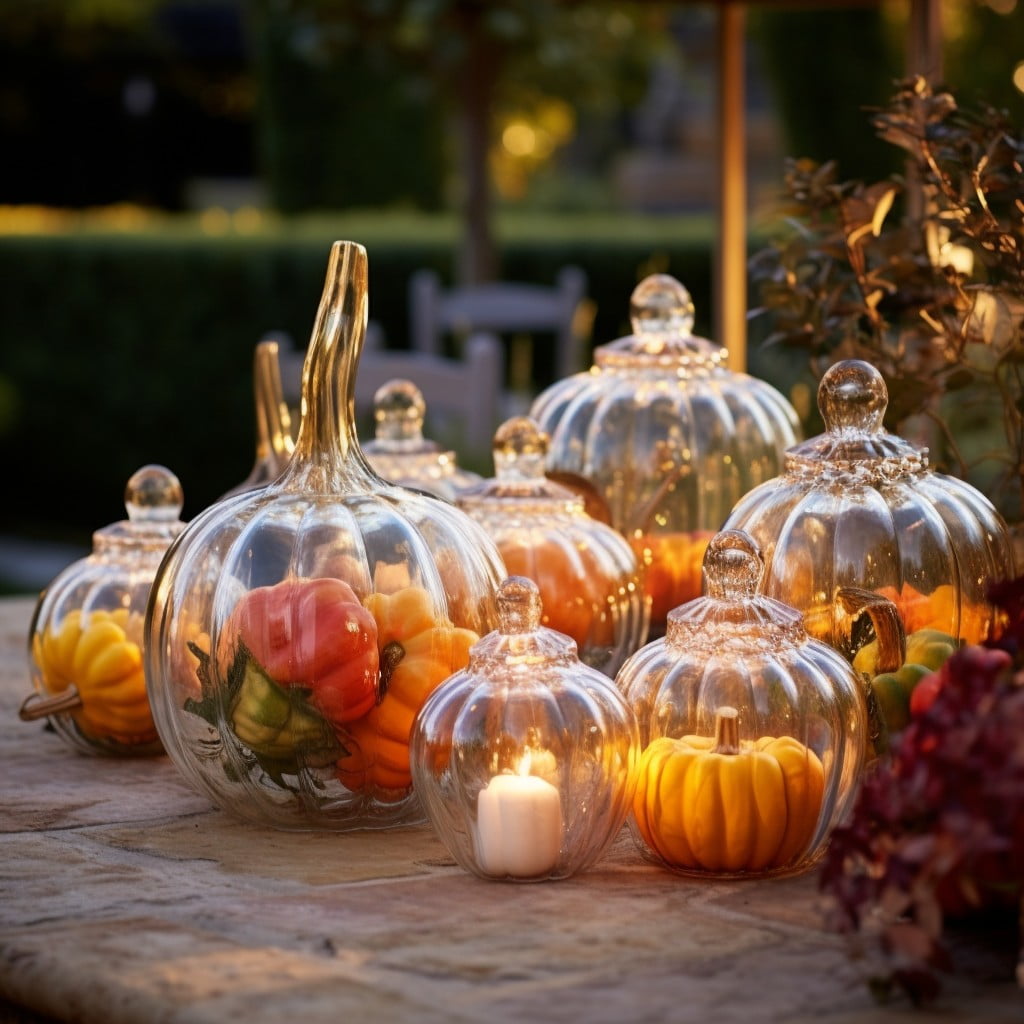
(733, 565)
(852, 396)
(661, 307)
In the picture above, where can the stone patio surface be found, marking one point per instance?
(125, 898)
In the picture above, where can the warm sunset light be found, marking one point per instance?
(519, 139)
(1018, 76)
(594, 587)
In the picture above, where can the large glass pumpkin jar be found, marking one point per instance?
(669, 436)
(752, 734)
(295, 631)
(859, 507)
(86, 636)
(524, 759)
(590, 582)
(400, 453)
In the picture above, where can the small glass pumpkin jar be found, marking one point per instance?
(859, 507)
(400, 453)
(274, 443)
(670, 437)
(752, 734)
(524, 759)
(294, 631)
(590, 583)
(86, 635)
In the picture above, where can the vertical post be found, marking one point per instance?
(924, 58)
(924, 40)
(731, 256)
(477, 258)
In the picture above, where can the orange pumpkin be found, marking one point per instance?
(937, 610)
(672, 564)
(576, 592)
(418, 651)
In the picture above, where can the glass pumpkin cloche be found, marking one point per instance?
(86, 635)
(752, 734)
(524, 759)
(590, 582)
(295, 631)
(400, 453)
(669, 436)
(859, 507)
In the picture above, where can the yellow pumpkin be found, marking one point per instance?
(417, 653)
(719, 805)
(105, 665)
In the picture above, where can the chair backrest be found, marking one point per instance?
(503, 308)
(468, 390)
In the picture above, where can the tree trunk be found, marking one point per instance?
(477, 259)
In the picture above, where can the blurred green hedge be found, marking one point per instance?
(118, 350)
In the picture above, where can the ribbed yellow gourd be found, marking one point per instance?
(715, 804)
(105, 666)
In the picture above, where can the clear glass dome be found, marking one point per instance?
(294, 631)
(524, 759)
(858, 507)
(752, 734)
(590, 583)
(668, 435)
(400, 453)
(86, 635)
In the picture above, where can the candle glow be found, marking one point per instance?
(519, 825)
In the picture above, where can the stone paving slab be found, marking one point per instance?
(128, 899)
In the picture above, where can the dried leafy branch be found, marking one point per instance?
(921, 275)
(937, 833)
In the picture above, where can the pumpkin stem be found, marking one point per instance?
(37, 706)
(392, 654)
(886, 622)
(727, 731)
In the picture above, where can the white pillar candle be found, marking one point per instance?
(519, 826)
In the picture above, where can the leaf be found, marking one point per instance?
(268, 718)
(206, 706)
(317, 746)
(872, 299)
(857, 234)
(882, 209)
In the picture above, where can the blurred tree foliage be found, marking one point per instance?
(832, 64)
(985, 41)
(339, 125)
(339, 103)
(333, 103)
(822, 99)
(104, 101)
(444, 70)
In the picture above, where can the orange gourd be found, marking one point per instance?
(672, 565)
(938, 610)
(575, 590)
(418, 651)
